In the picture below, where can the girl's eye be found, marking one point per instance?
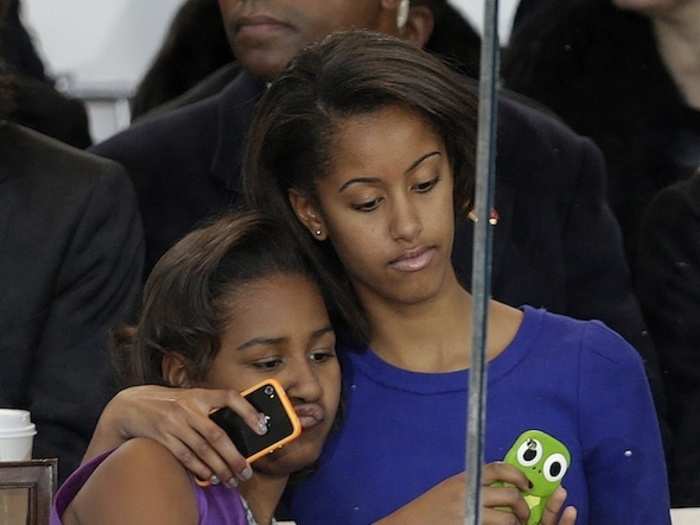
(322, 356)
(424, 187)
(368, 205)
(268, 364)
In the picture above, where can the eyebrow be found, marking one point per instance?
(262, 341)
(372, 180)
(321, 332)
(274, 341)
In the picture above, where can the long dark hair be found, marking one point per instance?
(188, 294)
(348, 74)
(194, 47)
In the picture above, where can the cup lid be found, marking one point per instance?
(18, 432)
(14, 419)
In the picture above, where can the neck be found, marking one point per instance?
(435, 336)
(263, 493)
(430, 336)
(678, 38)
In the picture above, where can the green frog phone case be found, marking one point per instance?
(544, 460)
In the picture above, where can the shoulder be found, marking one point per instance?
(152, 139)
(676, 203)
(207, 87)
(49, 165)
(595, 343)
(536, 146)
(40, 154)
(671, 226)
(140, 482)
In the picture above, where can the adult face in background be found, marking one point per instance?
(266, 34)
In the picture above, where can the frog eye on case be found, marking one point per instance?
(529, 453)
(555, 467)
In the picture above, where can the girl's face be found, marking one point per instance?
(387, 206)
(279, 328)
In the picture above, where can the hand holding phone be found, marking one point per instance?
(268, 398)
(544, 460)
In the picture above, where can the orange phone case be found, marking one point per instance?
(291, 414)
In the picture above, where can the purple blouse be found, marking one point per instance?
(216, 504)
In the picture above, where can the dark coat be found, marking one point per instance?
(668, 273)
(557, 244)
(598, 68)
(71, 256)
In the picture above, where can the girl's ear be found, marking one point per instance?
(308, 214)
(174, 370)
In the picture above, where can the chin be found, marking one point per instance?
(292, 458)
(263, 63)
(418, 290)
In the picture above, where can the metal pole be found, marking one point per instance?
(481, 259)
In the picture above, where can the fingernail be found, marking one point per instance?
(263, 421)
(214, 480)
(232, 483)
(246, 473)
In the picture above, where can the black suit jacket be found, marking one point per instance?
(71, 255)
(668, 271)
(557, 244)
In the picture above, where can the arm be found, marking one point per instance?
(444, 503)
(177, 418)
(139, 483)
(622, 453)
(95, 289)
(668, 271)
(597, 275)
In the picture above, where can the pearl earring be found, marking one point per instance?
(318, 233)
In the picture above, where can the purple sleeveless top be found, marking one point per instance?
(216, 504)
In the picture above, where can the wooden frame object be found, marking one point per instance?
(39, 477)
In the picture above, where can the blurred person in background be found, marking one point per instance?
(556, 243)
(668, 284)
(196, 49)
(40, 107)
(627, 74)
(71, 256)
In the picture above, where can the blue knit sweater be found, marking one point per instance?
(403, 432)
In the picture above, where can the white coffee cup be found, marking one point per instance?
(16, 435)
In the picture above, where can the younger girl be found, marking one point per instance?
(228, 306)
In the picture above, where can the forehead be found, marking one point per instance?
(281, 306)
(390, 136)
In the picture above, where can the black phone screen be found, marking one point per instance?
(266, 401)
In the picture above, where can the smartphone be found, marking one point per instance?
(544, 461)
(268, 398)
